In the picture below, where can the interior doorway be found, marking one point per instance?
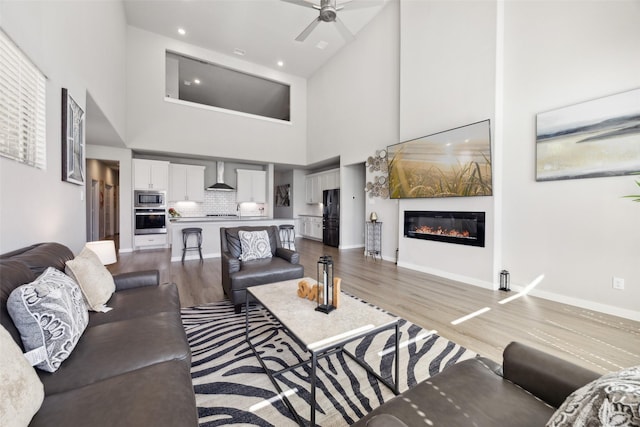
(94, 213)
(109, 229)
(103, 210)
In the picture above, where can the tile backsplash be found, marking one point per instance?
(218, 202)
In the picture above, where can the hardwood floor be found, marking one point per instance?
(597, 341)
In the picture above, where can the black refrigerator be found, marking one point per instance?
(331, 217)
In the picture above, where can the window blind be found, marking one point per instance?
(22, 106)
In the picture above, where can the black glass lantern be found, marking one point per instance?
(504, 281)
(325, 284)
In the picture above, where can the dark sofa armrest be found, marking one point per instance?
(547, 377)
(289, 255)
(385, 420)
(230, 263)
(136, 279)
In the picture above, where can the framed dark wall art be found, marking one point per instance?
(283, 193)
(591, 139)
(73, 148)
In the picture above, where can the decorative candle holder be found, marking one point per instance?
(325, 285)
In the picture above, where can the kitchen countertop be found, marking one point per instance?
(312, 215)
(219, 218)
(211, 226)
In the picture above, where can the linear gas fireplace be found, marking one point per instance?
(462, 228)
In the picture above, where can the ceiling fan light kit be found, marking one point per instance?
(328, 13)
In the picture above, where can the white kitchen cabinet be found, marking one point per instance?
(316, 228)
(186, 182)
(316, 183)
(311, 227)
(150, 175)
(331, 179)
(251, 186)
(150, 240)
(312, 185)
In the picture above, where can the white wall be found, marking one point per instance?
(387, 212)
(283, 178)
(157, 125)
(352, 206)
(79, 46)
(578, 233)
(447, 79)
(353, 99)
(353, 105)
(298, 197)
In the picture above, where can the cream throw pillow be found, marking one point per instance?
(94, 279)
(21, 391)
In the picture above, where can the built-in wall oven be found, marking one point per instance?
(150, 212)
(151, 221)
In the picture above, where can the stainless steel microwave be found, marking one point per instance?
(149, 199)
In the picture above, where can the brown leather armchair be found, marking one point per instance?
(238, 275)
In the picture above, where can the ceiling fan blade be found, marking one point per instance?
(305, 33)
(344, 31)
(350, 4)
(302, 3)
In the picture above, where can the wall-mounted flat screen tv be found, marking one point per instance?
(453, 163)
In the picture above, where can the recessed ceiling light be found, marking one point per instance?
(181, 31)
(280, 64)
(239, 52)
(322, 44)
(196, 81)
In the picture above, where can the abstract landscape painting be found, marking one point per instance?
(591, 139)
(453, 163)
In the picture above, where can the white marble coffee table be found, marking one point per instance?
(319, 333)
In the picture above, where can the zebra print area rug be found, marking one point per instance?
(231, 387)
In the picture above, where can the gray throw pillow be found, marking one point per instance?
(611, 400)
(255, 245)
(51, 313)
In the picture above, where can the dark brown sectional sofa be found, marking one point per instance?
(131, 366)
(525, 391)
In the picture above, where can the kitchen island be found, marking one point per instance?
(211, 232)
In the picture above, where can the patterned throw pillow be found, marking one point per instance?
(611, 400)
(49, 312)
(255, 245)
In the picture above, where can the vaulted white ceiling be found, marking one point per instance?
(264, 29)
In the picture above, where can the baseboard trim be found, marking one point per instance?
(193, 257)
(551, 296)
(344, 247)
(588, 305)
(447, 275)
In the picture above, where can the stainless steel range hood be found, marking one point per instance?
(220, 185)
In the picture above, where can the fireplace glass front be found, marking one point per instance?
(463, 228)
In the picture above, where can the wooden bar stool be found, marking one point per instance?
(186, 232)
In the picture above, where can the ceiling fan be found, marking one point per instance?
(328, 13)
